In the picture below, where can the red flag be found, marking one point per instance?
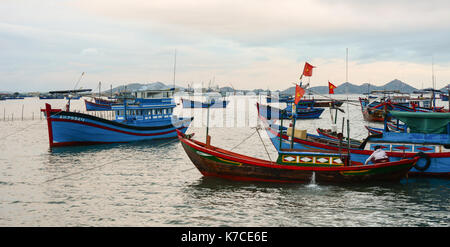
(331, 88)
(307, 70)
(299, 92)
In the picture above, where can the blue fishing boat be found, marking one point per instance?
(99, 104)
(431, 144)
(92, 106)
(147, 116)
(213, 103)
(305, 111)
(51, 96)
(280, 98)
(73, 97)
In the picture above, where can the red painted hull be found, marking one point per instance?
(216, 162)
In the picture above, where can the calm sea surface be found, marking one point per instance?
(155, 184)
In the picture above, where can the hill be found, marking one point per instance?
(350, 88)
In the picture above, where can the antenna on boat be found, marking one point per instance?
(79, 79)
(348, 111)
(76, 84)
(174, 67)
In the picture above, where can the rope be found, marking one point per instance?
(328, 97)
(267, 152)
(243, 141)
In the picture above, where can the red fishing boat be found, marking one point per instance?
(292, 166)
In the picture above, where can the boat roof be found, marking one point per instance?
(71, 91)
(424, 122)
(417, 138)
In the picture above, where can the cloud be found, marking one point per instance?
(273, 16)
(89, 52)
(254, 43)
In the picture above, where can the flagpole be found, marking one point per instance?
(348, 112)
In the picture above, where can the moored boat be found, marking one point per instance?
(432, 149)
(93, 106)
(271, 112)
(213, 103)
(292, 166)
(135, 120)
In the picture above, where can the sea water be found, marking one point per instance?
(155, 184)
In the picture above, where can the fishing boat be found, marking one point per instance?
(374, 111)
(301, 112)
(328, 133)
(99, 104)
(73, 97)
(390, 126)
(147, 116)
(292, 166)
(279, 98)
(212, 103)
(93, 106)
(316, 102)
(376, 108)
(433, 149)
(50, 96)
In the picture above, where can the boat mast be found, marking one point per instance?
(433, 82)
(348, 111)
(294, 116)
(208, 138)
(174, 67)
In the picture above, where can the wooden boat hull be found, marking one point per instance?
(333, 103)
(91, 106)
(438, 163)
(216, 162)
(275, 113)
(196, 104)
(74, 129)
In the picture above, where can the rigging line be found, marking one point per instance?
(243, 141)
(328, 97)
(267, 152)
(107, 163)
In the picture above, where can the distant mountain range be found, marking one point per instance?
(344, 88)
(350, 88)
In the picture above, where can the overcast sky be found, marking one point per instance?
(47, 44)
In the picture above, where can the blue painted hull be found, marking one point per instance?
(91, 106)
(270, 112)
(196, 104)
(52, 97)
(70, 128)
(439, 162)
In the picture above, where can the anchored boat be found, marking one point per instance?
(292, 166)
(433, 149)
(213, 103)
(301, 112)
(147, 116)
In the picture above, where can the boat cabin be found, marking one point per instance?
(146, 105)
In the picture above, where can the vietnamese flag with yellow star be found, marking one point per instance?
(331, 87)
(307, 70)
(299, 92)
